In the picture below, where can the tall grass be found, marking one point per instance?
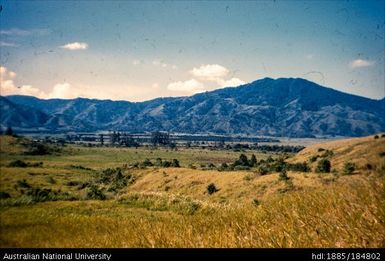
(351, 215)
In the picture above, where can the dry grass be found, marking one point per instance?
(170, 207)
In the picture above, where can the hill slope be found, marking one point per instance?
(281, 107)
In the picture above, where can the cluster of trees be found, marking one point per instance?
(158, 163)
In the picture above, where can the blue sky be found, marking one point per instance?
(137, 51)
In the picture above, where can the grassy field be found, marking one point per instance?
(71, 200)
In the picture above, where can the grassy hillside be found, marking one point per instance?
(156, 206)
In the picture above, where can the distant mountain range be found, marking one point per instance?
(290, 107)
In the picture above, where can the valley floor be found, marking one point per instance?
(100, 197)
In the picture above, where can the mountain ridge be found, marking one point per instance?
(274, 107)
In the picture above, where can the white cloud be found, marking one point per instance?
(8, 87)
(6, 44)
(233, 82)
(22, 32)
(75, 46)
(360, 63)
(64, 91)
(191, 86)
(210, 72)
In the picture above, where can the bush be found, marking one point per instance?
(240, 167)
(301, 167)
(253, 161)
(4, 195)
(18, 164)
(147, 163)
(175, 163)
(283, 175)
(313, 158)
(23, 184)
(323, 166)
(166, 164)
(95, 193)
(211, 188)
(349, 168)
(376, 137)
(38, 148)
(42, 195)
(263, 170)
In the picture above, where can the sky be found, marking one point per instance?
(140, 50)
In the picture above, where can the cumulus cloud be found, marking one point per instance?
(190, 86)
(8, 87)
(360, 63)
(210, 72)
(233, 82)
(75, 46)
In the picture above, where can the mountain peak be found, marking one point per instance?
(276, 107)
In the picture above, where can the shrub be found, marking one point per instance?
(4, 195)
(301, 167)
(376, 137)
(211, 188)
(241, 167)
(313, 158)
(323, 166)
(283, 175)
(381, 154)
(147, 163)
(73, 183)
(263, 170)
(320, 149)
(175, 163)
(349, 168)
(253, 161)
(95, 193)
(51, 180)
(166, 164)
(18, 164)
(23, 184)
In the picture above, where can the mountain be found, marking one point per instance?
(290, 107)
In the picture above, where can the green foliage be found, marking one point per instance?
(95, 193)
(323, 166)
(8, 131)
(175, 163)
(300, 167)
(349, 168)
(211, 188)
(253, 161)
(283, 175)
(376, 137)
(4, 195)
(40, 148)
(18, 164)
(23, 184)
(262, 170)
(313, 158)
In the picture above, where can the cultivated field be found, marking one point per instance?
(76, 196)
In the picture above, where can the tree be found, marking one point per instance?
(160, 138)
(323, 166)
(211, 188)
(9, 131)
(101, 139)
(175, 163)
(283, 175)
(243, 161)
(253, 161)
(349, 168)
